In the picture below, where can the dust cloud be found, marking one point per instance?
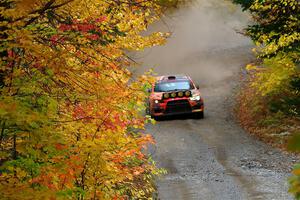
(204, 43)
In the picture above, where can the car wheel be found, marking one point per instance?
(200, 115)
(156, 118)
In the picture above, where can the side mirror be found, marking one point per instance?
(197, 86)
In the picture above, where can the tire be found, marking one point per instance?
(200, 115)
(156, 118)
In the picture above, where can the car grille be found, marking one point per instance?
(178, 106)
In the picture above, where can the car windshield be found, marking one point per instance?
(171, 86)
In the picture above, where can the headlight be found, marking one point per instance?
(156, 101)
(195, 98)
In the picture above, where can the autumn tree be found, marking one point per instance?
(70, 110)
(244, 3)
(276, 34)
(271, 100)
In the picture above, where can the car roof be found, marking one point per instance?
(173, 78)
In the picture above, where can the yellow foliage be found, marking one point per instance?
(70, 111)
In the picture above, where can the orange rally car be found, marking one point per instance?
(173, 95)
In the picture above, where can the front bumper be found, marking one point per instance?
(176, 107)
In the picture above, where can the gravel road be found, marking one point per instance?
(211, 158)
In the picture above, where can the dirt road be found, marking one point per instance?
(211, 158)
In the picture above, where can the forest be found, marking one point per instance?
(71, 111)
(269, 103)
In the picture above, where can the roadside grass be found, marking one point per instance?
(255, 114)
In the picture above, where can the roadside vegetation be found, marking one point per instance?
(70, 111)
(269, 102)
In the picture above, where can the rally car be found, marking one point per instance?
(174, 95)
